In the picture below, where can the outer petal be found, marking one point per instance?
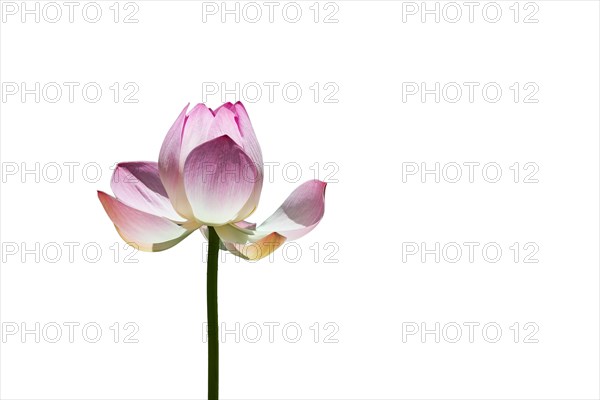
(238, 232)
(246, 225)
(252, 202)
(299, 213)
(247, 228)
(258, 249)
(169, 168)
(138, 185)
(233, 233)
(249, 141)
(252, 148)
(219, 179)
(145, 231)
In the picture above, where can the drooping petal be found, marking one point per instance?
(233, 233)
(144, 231)
(246, 225)
(138, 185)
(299, 213)
(219, 179)
(256, 250)
(204, 230)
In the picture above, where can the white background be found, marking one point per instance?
(370, 212)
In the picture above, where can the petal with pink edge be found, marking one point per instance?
(195, 132)
(219, 179)
(138, 185)
(225, 123)
(252, 149)
(246, 225)
(299, 213)
(144, 231)
(169, 168)
(249, 140)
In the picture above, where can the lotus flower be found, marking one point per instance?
(209, 174)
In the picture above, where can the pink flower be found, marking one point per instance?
(209, 173)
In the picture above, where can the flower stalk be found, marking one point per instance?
(212, 314)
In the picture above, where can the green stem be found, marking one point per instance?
(212, 313)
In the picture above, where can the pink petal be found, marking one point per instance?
(252, 149)
(196, 131)
(219, 179)
(144, 231)
(249, 141)
(138, 185)
(299, 213)
(227, 105)
(169, 166)
(225, 123)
